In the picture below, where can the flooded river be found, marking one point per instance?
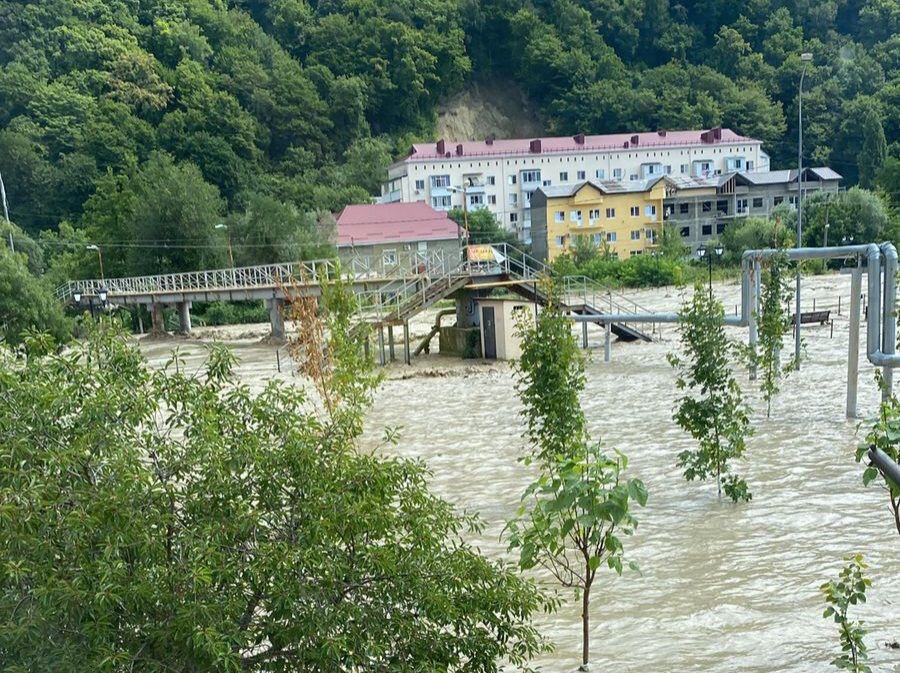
(723, 587)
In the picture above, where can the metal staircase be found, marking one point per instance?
(402, 299)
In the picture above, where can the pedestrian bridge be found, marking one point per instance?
(388, 294)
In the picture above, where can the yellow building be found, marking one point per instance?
(623, 218)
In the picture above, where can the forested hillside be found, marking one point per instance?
(144, 123)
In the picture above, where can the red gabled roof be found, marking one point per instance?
(393, 223)
(569, 144)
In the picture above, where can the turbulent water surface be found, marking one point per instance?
(723, 587)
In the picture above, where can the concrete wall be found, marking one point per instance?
(381, 253)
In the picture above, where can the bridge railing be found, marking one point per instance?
(358, 267)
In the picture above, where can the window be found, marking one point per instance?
(575, 216)
(476, 199)
(707, 206)
(720, 227)
(650, 235)
(735, 163)
(685, 232)
(527, 199)
(749, 165)
(512, 179)
(559, 216)
(531, 176)
(610, 237)
(668, 169)
(440, 181)
(564, 176)
(741, 206)
(492, 199)
(684, 208)
(778, 200)
(546, 183)
(420, 185)
(757, 202)
(560, 241)
(707, 230)
(598, 239)
(389, 257)
(635, 211)
(441, 202)
(684, 169)
(513, 218)
(635, 253)
(635, 234)
(491, 180)
(513, 200)
(600, 173)
(617, 173)
(633, 176)
(581, 175)
(650, 211)
(722, 206)
(594, 214)
(610, 213)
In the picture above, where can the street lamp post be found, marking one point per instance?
(702, 253)
(96, 248)
(806, 58)
(228, 239)
(465, 200)
(655, 254)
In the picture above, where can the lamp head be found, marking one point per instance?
(103, 293)
(719, 249)
(93, 247)
(701, 251)
(76, 297)
(806, 57)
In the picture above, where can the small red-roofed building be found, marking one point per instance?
(391, 234)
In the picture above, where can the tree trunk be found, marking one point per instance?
(585, 626)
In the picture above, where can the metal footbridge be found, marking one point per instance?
(388, 293)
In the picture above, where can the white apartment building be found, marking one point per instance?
(501, 175)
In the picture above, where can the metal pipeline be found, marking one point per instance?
(880, 345)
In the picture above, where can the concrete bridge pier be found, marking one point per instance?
(157, 321)
(184, 316)
(276, 317)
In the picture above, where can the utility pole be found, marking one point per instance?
(12, 246)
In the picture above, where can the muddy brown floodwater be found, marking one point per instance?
(723, 587)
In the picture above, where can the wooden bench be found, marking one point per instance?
(812, 317)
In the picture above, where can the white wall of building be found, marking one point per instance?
(501, 183)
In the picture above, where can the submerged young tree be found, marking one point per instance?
(713, 411)
(773, 324)
(849, 589)
(571, 517)
(170, 520)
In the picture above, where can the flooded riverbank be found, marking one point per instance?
(723, 587)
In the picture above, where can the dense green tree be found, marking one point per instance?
(27, 303)
(874, 149)
(855, 213)
(171, 520)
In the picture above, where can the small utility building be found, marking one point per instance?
(499, 317)
(389, 232)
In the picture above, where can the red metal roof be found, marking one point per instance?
(393, 223)
(569, 144)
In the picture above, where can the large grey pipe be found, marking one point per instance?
(883, 462)
(877, 355)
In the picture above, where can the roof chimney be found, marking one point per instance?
(662, 133)
(717, 132)
(489, 140)
(634, 140)
(625, 144)
(535, 146)
(579, 139)
(441, 146)
(459, 150)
